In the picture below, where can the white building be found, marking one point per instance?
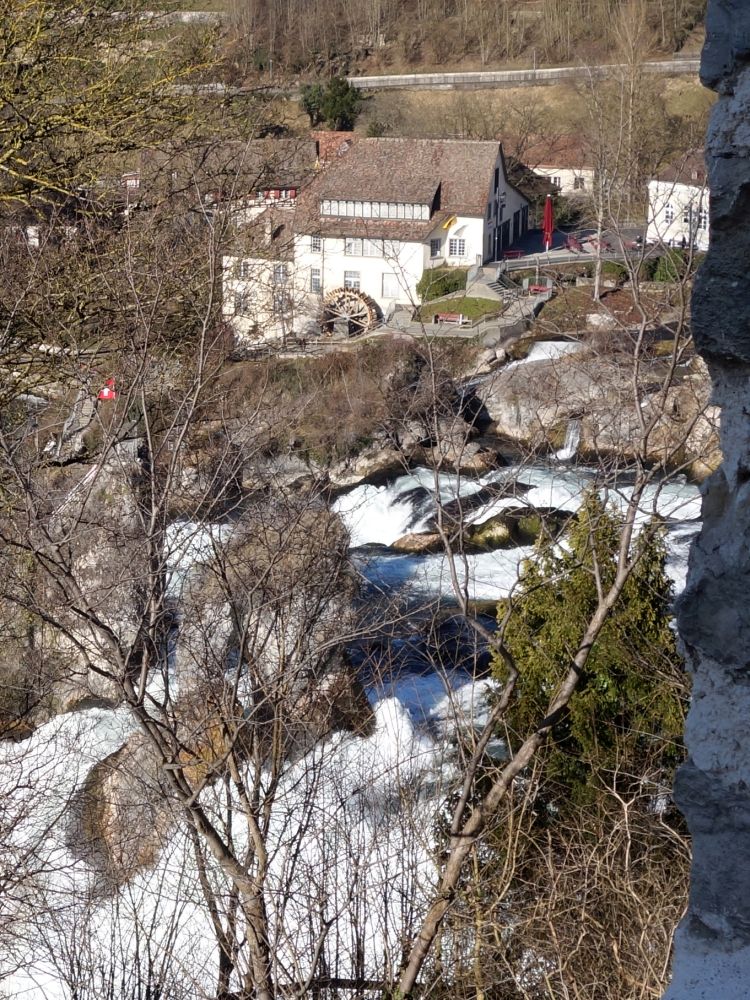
(378, 213)
(678, 205)
(564, 162)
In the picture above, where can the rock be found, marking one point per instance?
(371, 462)
(495, 533)
(712, 944)
(419, 543)
(518, 526)
(122, 816)
(269, 607)
(533, 403)
(600, 321)
(95, 510)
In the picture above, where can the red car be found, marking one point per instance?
(574, 244)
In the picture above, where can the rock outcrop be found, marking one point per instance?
(532, 404)
(712, 952)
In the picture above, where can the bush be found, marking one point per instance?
(671, 266)
(611, 269)
(441, 281)
(627, 714)
(647, 268)
(337, 104)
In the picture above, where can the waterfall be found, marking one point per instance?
(572, 440)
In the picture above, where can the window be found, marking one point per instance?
(279, 274)
(241, 304)
(325, 207)
(316, 244)
(351, 279)
(687, 214)
(456, 248)
(668, 214)
(703, 219)
(315, 283)
(372, 248)
(390, 286)
(579, 183)
(557, 182)
(497, 179)
(245, 269)
(435, 247)
(353, 246)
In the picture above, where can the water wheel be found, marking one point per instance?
(347, 310)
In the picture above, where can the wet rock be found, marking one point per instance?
(712, 945)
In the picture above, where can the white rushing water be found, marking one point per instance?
(352, 830)
(572, 440)
(381, 515)
(546, 350)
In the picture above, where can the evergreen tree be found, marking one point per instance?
(626, 717)
(311, 98)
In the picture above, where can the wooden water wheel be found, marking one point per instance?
(349, 310)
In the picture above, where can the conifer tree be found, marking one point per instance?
(626, 715)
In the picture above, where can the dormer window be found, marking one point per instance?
(374, 209)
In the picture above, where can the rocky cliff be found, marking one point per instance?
(712, 956)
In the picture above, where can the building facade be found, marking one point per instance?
(377, 214)
(678, 205)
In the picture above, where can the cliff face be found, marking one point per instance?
(712, 957)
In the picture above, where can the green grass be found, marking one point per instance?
(471, 308)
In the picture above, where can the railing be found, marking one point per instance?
(515, 77)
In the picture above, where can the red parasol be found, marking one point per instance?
(548, 226)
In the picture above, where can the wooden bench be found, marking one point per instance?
(449, 318)
(512, 254)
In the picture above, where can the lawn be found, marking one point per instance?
(470, 307)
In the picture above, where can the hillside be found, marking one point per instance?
(334, 36)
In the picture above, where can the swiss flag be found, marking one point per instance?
(108, 392)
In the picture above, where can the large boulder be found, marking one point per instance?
(532, 404)
(121, 817)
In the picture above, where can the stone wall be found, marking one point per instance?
(712, 955)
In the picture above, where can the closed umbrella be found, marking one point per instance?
(548, 226)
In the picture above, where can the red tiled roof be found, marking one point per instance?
(402, 171)
(566, 152)
(690, 169)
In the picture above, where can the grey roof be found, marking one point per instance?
(230, 169)
(411, 170)
(454, 176)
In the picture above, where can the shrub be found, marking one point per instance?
(670, 266)
(337, 104)
(611, 269)
(627, 714)
(441, 281)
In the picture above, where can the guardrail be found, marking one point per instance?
(517, 77)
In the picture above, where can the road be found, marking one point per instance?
(485, 80)
(488, 79)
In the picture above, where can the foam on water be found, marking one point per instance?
(546, 350)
